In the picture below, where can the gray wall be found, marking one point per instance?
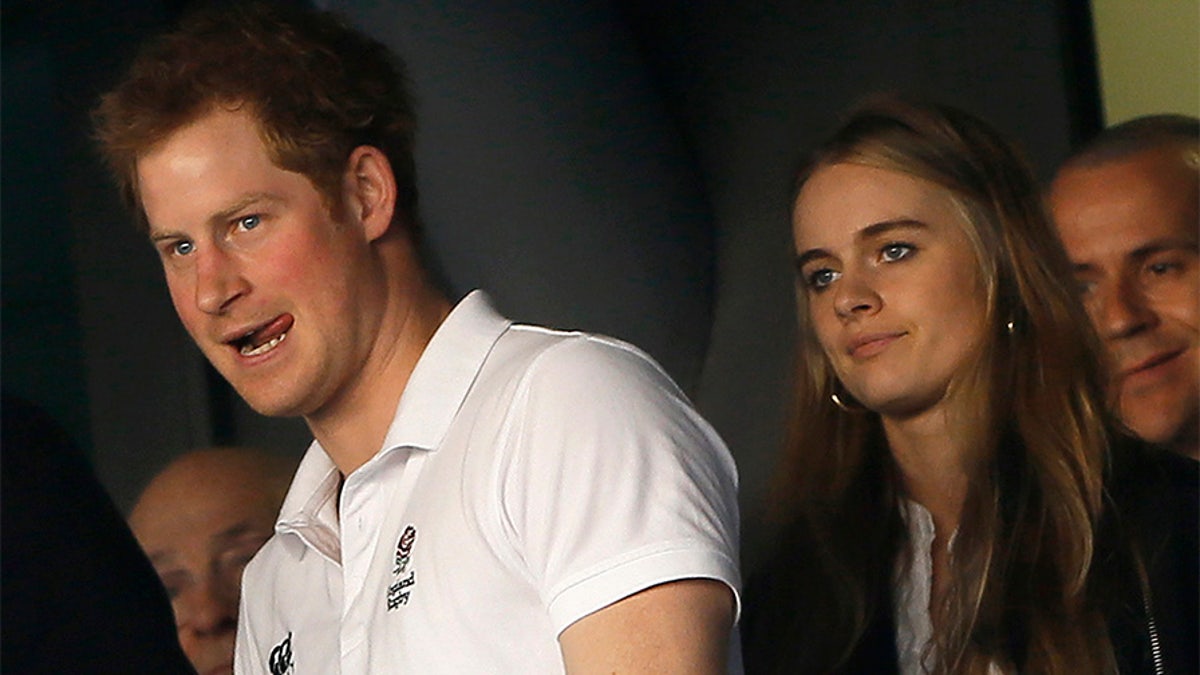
(752, 84)
(621, 167)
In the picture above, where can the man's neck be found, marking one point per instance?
(351, 428)
(1188, 446)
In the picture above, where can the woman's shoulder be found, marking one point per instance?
(795, 617)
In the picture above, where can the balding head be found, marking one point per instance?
(1126, 207)
(1136, 136)
(200, 520)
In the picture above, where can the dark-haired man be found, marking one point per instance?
(1126, 207)
(481, 496)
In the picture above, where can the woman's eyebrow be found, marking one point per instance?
(810, 255)
(885, 226)
(869, 232)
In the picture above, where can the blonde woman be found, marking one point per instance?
(958, 498)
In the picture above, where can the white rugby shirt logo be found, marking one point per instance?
(399, 590)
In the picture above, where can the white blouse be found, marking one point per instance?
(911, 594)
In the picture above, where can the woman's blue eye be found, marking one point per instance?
(894, 252)
(183, 247)
(821, 278)
(249, 222)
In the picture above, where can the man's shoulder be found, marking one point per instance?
(1156, 493)
(541, 339)
(1145, 474)
(550, 355)
(503, 350)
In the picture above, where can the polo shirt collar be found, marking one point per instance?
(444, 374)
(432, 397)
(310, 508)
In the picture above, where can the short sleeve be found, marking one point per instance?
(613, 482)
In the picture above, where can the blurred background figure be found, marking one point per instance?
(76, 594)
(945, 491)
(200, 520)
(1127, 207)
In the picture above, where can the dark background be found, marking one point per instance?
(622, 167)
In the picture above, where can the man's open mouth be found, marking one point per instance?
(264, 338)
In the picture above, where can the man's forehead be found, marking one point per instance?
(1163, 171)
(1125, 207)
(1111, 240)
(203, 503)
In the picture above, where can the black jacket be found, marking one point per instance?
(1154, 526)
(77, 594)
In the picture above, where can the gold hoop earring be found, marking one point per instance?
(844, 401)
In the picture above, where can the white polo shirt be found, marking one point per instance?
(529, 478)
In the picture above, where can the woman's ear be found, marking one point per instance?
(369, 190)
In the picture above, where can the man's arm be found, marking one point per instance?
(677, 627)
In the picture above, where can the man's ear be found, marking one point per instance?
(369, 188)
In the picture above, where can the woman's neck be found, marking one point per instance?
(934, 461)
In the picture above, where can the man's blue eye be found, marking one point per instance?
(184, 247)
(249, 222)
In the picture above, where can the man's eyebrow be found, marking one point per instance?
(244, 202)
(239, 530)
(161, 235)
(869, 232)
(157, 558)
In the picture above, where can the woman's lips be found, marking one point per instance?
(868, 345)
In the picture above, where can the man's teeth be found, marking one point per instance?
(251, 350)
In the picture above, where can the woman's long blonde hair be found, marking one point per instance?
(1022, 555)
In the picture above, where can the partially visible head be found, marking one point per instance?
(200, 521)
(984, 188)
(1127, 207)
(317, 88)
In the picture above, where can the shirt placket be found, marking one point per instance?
(369, 508)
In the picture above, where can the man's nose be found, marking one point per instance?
(219, 280)
(1120, 310)
(206, 607)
